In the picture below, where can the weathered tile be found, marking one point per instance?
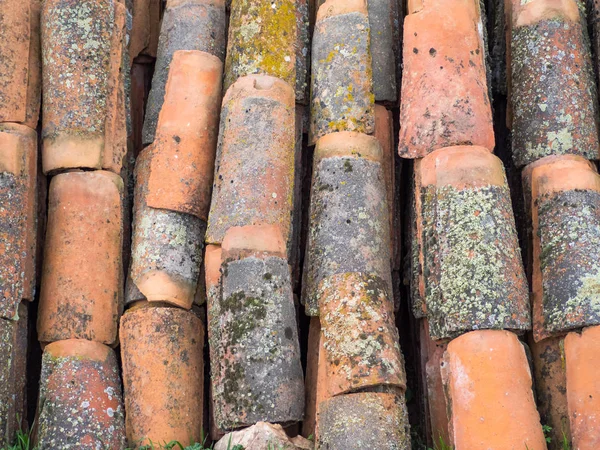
(82, 275)
(163, 374)
(381, 24)
(263, 436)
(145, 28)
(302, 46)
(186, 25)
(80, 403)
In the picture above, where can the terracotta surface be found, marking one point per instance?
(20, 63)
(417, 242)
(82, 275)
(166, 249)
(253, 240)
(183, 154)
(254, 167)
(551, 387)
(263, 436)
(18, 216)
(186, 25)
(472, 269)
(342, 80)
(310, 384)
(80, 391)
(554, 99)
(347, 170)
(262, 40)
(445, 97)
(583, 389)
(360, 339)
(145, 28)
(84, 109)
(364, 420)
(13, 376)
(565, 203)
(163, 367)
(488, 385)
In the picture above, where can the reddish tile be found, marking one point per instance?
(82, 276)
(145, 28)
(488, 385)
(310, 384)
(342, 82)
(445, 96)
(163, 375)
(263, 436)
(183, 153)
(80, 403)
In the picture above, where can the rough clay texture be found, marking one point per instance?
(263, 436)
(473, 272)
(342, 80)
(186, 25)
(254, 166)
(364, 420)
(302, 46)
(262, 40)
(445, 96)
(569, 232)
(360, 338)
(255, 353)
(342, 239)
(13, 372)
(20, 63)
(163, 374)
(382, 50)
(554, 96)
(81, 394)
(165, 244)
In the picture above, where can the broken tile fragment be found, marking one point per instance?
(583, 389)
(347, 171)
(381, 24)
(82, 275)
(445, 95)
(263, 436)
(18, 216)
(183, 153)
(163, 367)
(166, 248)
(360, 339)
(254, 167)
(186, 25)
(20, 62)
(342, 81)
(363, 420)
(13, 376)
(488, 386)
(565, 211)
(472, 271)
(83, 85)
(80, 403)
(262, 40)
(254, 349)
(554, 96)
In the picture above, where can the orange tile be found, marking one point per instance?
(145, 28)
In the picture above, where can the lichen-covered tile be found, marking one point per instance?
(348, 216)
(488, 386)
(254, 167)
(166, 248)
(364, 420)
(472, 270)
(342, 79)
(13, 376)
(381, 24)
(263, 436)
(550, 381)
(583, 388)
(80, 404)
(183, 153)
(18, 216)
(145, 28)
(83, 85)
(254, 349)
(262, 40)
(82, 274)
(302, 46)
(565, 216)
(20, 62)
(360, 338)
(554, 98)
(445, 95)
(186, 25)
(163, 374)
